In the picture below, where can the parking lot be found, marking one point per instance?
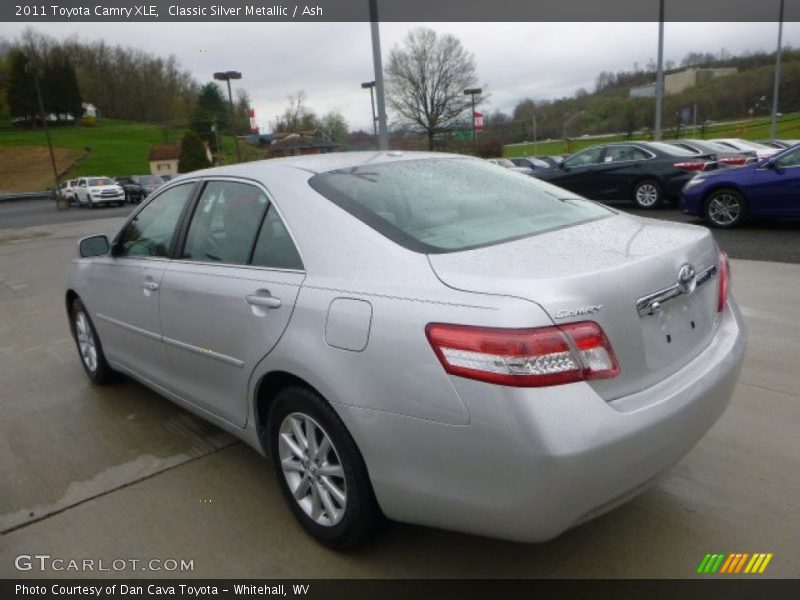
(119, 472)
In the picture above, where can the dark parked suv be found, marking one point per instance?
(646, 172)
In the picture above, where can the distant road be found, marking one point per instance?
(29, 213)
(779, 242)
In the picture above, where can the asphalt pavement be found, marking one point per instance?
(91, 472)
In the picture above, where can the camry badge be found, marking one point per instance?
(565, 313)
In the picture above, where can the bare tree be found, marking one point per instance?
(426, 81)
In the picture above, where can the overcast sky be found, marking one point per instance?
(330, 60)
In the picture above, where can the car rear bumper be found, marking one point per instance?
(532, 463)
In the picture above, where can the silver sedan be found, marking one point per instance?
(423, 337)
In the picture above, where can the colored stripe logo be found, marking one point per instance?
(738, 562)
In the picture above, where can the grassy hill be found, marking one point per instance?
(112, 147)
(752, 129)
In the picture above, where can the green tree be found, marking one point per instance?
(335, 126)
(60, 86)
(193, 153)
(21, 91)
(209, 108)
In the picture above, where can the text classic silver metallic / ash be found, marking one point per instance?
(424, 337)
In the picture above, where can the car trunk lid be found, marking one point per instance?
(598, 271)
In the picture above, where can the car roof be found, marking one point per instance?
(317, 163)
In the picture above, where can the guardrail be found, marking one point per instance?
(45, 195)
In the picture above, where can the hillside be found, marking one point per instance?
(112, 147)
(748, 129)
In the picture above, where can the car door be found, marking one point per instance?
(577, 173)
(776, 186)
(81, 191)
(622, 167)
(124, 287)
(228, 296)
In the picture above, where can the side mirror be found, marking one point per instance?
(95, 245)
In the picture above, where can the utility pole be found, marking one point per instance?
(383, 130)
(773, 126)
(35, 74)
(535, 150)
(660, 72)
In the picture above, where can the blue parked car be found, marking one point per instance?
(726, 197)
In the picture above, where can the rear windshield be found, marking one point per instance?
(670, 149)
(450, 204)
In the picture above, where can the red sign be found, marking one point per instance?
(477, 120)
(253, 126)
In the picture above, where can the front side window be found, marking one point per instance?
(151, 231)
(450, 204)
(225, 223)
(790, 159)
(587, 157)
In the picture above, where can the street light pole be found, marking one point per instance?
(383, 130)
(371, 86)
(534, 135)
(227, 76)
(773, 126)
(472, 92)
(659, 72)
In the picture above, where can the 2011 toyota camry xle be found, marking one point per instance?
(424, 337)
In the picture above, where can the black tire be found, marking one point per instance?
(361, 514)
(91, 204)
(725, 209)
(647, 194)
(102, 373)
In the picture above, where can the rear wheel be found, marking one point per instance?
(89, 346)
(725, 209)
(320, 470)
(647, 194)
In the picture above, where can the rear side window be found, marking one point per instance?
(450, 204)
(225, 223)
(275, 248)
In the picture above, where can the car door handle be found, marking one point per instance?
(263, 299)
(150, 285)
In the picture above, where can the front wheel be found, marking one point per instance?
(320, 470)
(725, 209)
(647, 194)
(89, 346)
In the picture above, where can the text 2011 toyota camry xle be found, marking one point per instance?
(422, 336)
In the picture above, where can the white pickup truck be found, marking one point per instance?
(93, 191)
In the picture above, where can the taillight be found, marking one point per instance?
(722, 298)
(691, 165)
(735, 161)
(524, 357)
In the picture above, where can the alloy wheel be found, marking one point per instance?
(312, 469)
(647, 195)
(86, 341)
(724, 209)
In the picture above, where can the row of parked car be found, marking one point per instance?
(723, 181)
(102, 190)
